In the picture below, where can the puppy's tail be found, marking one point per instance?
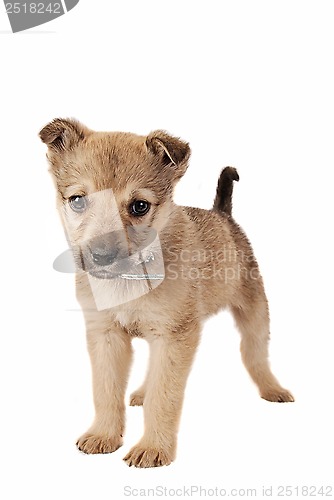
(223, 200)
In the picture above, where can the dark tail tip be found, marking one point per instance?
(223, 200)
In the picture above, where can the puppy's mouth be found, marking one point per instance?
(103, 274)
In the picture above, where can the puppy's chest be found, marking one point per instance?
(137, 324)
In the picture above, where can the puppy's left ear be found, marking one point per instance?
(63, 134)
(169, 150)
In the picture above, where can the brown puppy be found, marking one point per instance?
(149, 268)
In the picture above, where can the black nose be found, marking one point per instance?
(102, 257)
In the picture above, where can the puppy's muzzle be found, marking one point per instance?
(118, 253)
(105, 250)
(134, 254)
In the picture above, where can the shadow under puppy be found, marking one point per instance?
(115, 200)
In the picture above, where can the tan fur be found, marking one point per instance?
(209, 265)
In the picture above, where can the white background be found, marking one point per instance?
(249, 84)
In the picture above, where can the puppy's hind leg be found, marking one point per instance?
(252, 319)
(137, 397)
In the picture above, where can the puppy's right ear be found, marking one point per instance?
(169, 151)
(63, 135)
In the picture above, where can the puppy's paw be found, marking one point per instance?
(277, 395)
(144, 457)
(137, 398)
(93, 444)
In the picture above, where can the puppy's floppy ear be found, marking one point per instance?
(63, 135)
(169, 150)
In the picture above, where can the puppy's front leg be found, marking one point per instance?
(171, 355)
(110, 353)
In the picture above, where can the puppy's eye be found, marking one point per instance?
(139, 208)
(78, 203)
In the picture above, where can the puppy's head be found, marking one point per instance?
(114, 190)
